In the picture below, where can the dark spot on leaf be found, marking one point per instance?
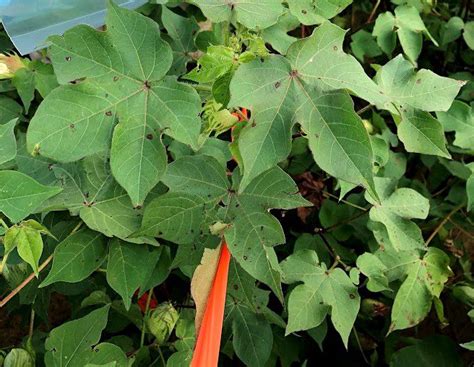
(149, 136)
(72, 126)
(277, 85)
(68, 58)
(351, 296)
(116, 78)
(236, 287)
(294, 73)
(304, 11)
(245, 257)
(253, 124)
(50, 166)
(335, 48)
(138, 207)
(418, 81)
(109, 113)
(146, 85)
(160, 233)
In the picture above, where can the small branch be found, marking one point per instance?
(360, 346)
(32, 275)
(442, 223)
(461, 229)
(363, 109)
(25, 282)
(374, 10)
(32, 323)
(329, 195)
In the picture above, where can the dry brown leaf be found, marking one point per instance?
(202, 281)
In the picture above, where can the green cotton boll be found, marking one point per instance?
(162, 322)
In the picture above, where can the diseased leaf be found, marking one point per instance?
(72, 344)
(281, 92)
(124, 77)
(425, 280)
(317, 11)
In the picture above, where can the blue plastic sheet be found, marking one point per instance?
(30, 22)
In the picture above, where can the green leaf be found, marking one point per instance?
(246, 317)
(317, 11)
(460, 119)
(250, 13)
(76, 257)
(323, 290)
(9, 109)
(468, 34)
(363, 44)
(470, 188)
(396, 209)
(423, 89)
(181, 31)
(420, 132)
(7, 142)
(26, 237)
(434, 351)
(215, 63)
(409, 27)
(21, 195)
(71, 344)
(425, 280)
(124, 77)
(253, 337)
(451, 31)
(277, 35)
(128, 267)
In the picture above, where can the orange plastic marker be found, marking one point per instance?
(206, 353)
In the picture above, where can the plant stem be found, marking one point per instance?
(329, 195)
(145, 317)
(32, 323)
(32, 275)
(374, 10)
(25, 282)
(363, 109)
(442, 223)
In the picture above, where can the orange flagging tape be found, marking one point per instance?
(206, 353)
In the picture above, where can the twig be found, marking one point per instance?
(363, 109)
(360, 346)
(25, 282)
(32, 275)
(329, 195)
(461, 229)
(374, 10)
(32, 323)
(442, 223)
